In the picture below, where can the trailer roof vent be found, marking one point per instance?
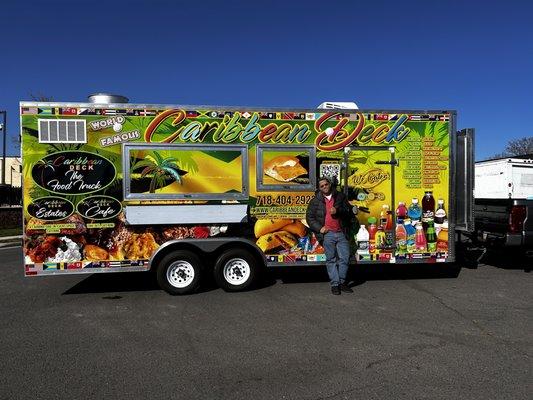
(106, 98)
(62, 131)
(331, 105)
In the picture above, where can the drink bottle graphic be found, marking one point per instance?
(410, 231)
(372, 229)
(420, 239)
(381, 240)
(414, 212)
(431, 238)
(401, 211)
(442, 239)
(383, 217)
(428, 209)
(440, 213)
(386, 222)
(401, 238)
(363, 238)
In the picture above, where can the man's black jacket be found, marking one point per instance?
(316, 213)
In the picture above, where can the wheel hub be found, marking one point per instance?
(180, 274)
(236, 271)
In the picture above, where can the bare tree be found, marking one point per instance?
(40, 97)
(517, 147)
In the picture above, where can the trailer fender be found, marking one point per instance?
(209, 246)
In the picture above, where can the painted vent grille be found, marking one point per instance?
(62, 131)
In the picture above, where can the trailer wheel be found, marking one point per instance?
(236, 269)
(179, 272)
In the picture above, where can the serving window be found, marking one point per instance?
(286, 168)
(166, 171)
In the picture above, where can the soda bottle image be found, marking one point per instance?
(414, 212)
(431, 238)
(420, 238)
(442, 239)
(380, 238)
(363, 237)
(428, 208)
(401, 237)
(440, 213)
(410, 231)
(401, 211)
(372, 229)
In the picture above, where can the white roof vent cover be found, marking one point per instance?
(62, 131)
(343, 105)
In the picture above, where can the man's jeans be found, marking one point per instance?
(337, 250)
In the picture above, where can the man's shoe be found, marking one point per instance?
(336, 290)
(345, 288)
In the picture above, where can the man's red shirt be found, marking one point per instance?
(331, 223)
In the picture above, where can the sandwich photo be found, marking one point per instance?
(284, 168)
(278, 234)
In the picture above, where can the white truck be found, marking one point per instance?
(503, 210)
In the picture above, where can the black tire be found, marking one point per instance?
(175, 270)
(236, 270)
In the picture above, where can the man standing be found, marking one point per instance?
(329, 216)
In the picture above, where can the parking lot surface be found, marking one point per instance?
(405, 333)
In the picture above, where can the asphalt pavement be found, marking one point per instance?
(10, 241)
(406, 333)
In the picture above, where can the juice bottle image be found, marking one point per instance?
(380, 238)
(401, 211)
(372, 229)
(410, 231)
(363, 238)
(431, 238)
(420, 239)
(440, 213)
(401, 237)
(428, 209)
(442, 239)
(414, 211)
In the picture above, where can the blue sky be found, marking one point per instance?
(472, 56)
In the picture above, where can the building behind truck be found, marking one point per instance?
(193, 190)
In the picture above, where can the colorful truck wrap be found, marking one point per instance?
(106, 186)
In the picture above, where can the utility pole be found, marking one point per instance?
(4, 134)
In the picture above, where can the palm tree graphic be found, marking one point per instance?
(43, 165)
(160, 168)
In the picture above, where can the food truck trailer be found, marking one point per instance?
(192, 190)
